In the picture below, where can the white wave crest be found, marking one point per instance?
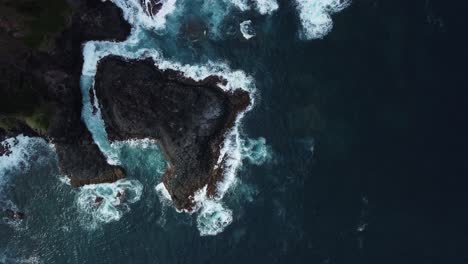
(21, 149)
(30, 260)
(107, 202)
(242, 5)
(256, 150)
(163, 194)
(135, 14)
(246, 29)
(265, 7)
(212, 216)
(315, 16)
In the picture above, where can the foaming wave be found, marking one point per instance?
(163, 194)
(4, 258)
(240, 4)
(212, 216)
(135, 14)
(266, 6)
(246, 29)
(315, 16)
(263, 7)
(21, 151)
(107, 202)
(136, 153)
(256, 150)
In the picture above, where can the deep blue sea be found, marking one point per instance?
(355, 151)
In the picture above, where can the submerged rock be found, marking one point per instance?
(188, 118)
(14, 215)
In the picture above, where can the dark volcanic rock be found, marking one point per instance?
(151, 7)
(14, 215)
(40, 91)
(188, 118)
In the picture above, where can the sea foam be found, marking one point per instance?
(22, 148)
(246, 29)
(315, 16)
(266, 6)
(213, 217)
(22, 151)
(134, 13)
(107, 202)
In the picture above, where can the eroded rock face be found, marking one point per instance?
(188, 118)
(44, 86)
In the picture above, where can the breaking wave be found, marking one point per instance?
(4, 258)
(135, 15)
(107, 202)
(256, 150)
(247, 29)
(19, 153)
(315, 16)
(213, 218)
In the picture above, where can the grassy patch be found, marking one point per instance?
(38, 119)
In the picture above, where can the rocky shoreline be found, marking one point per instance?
(188, 118)
(40, 88)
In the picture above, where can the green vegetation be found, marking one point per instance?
(38, 119)
(39, 19)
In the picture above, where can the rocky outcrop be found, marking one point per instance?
(188, 118)
(40, 88)
(151, 7)
(41, 96)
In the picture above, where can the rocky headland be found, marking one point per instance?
(189, 119)
(40, 78)
(41, 96)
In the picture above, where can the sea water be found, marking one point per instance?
(292, 192)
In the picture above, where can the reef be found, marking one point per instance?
(40, 69)
(188, 118)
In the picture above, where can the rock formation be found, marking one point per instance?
(39, 84)
(41, 96)
(188, 118)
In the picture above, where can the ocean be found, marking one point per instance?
(354, 151)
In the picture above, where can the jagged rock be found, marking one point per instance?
(188, 118)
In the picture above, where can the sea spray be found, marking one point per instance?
(247, 29)
(21, 152)
(107, 202)
(315, 16)
(256, 151)
(213, 217)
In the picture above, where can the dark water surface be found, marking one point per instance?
(382, 100)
